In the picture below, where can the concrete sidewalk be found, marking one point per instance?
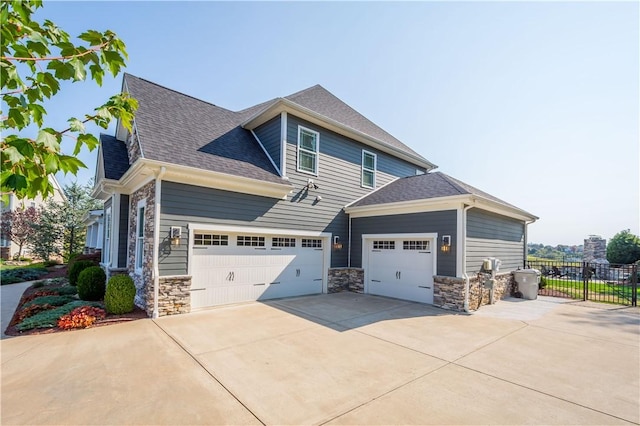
(10, 295)
(339, 359)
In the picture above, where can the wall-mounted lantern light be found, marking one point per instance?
(337, 245)
(445, 247)
(174, 235)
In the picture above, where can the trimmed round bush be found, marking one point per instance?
(76, 268)
(91, 283)
(120, 294)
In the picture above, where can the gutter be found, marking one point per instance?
(156, 241)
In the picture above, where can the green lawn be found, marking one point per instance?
(598, 290)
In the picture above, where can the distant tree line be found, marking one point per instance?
(558, 252)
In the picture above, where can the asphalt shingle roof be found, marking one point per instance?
(320, 100)
(420, 187)
(179, 129)
(115, 157)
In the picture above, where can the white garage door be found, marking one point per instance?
(239, 267)
(401, 267)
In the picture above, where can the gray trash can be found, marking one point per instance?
(528, 281)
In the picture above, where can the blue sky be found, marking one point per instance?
(535, 103)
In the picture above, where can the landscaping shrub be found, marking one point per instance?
(50, 300)
(76, 268)
(118, 298)
(93, 257)
(91, 283)
(81, 317)
(49, 318)
(67, 290)
(30, 311)
(38, 284)
(39, 293)
(18, 275)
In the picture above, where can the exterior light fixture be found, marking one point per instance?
(174, 235)
(445, 247)
(337, 245)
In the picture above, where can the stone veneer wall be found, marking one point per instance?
(174, 295)
(144, 280)
(448, 292)
(346, 279)
(133, 147)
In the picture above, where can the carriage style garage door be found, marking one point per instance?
(238, 267)
(400, 267)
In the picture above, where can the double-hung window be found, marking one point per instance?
(140, 236)
(308, 141)
(368, 169)
(106, 258)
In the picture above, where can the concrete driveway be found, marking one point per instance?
(335, 359)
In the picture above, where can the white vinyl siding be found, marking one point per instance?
(139, 258)
(308, 144)
(368, 169)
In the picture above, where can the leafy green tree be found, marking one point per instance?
(624, 248)
(17, 226)
(48, 232)
(35, 57)
(71, 214)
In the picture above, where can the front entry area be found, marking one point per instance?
(400, 266)
(232, 267)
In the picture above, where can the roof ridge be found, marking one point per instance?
(304, 90)
(453, 182)
(175, 91)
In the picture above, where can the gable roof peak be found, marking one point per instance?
(127, 75)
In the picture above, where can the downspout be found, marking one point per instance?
(349, 252)
(526, 241)
(464, 258)
(156, 241)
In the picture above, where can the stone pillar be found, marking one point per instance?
(174, 295)
(346, 279)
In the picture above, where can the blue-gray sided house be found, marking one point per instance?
(298, 195)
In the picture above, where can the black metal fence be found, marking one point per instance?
(600, 282)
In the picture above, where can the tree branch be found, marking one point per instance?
(58, 58)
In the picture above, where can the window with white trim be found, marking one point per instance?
(106, 257)
(415, 245)
(249, 241)
(204, 239)
(139, 257)
(368, 169)
(308, 144)
(312, 242)
(384, 245)
(283, 242)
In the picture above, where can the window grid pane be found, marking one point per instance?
(307, 161)
(210, 240)
(415, 245)
(250, 241)
(307, 140)
(283, 242)
(384, 245)
(367, 178)
(312, 243)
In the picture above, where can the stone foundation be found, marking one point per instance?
(174, 296)
(448, 292)
(346, 279)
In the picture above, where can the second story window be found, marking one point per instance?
(368, 169)
(308, 150)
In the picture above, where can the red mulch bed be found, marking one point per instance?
(56, 272)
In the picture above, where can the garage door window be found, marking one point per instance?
(415, 245)
(283, 242)
(210, 240)
(250, 241)
(311, 243)
(384, 245)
